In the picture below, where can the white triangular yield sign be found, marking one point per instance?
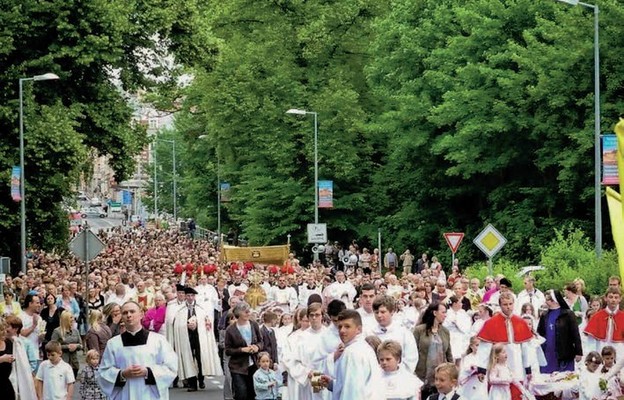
(454, 239)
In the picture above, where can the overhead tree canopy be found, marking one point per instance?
(101, 50)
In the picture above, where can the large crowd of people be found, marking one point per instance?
(159, 312)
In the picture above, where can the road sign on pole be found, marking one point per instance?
(490, 241)
(453, 239)
(86, 246)
(317, 233)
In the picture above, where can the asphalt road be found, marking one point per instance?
(213, 391)
(96, 223)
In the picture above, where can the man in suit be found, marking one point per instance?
(268, 335)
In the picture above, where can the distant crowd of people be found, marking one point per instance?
(159, 311)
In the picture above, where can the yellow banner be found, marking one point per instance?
(262, 254)
(617, 225)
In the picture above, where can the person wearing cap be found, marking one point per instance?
(509, 329)
(563, 341)
(504, 286)
(172, 308)
(197, 354)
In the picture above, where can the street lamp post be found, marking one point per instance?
(218, 193)
(316, 199)
(597, 199)
(175, 181)
(44, 77)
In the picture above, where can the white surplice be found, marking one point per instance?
(157, 354)
(358, 375)
(285, 298)
(406, 339)
(294, 390)
(306, 358)
(401, 384)
(187, 368)
(344, 291)
(458, 324)
(368, 321)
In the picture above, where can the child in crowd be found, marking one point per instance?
(536, 357)
(265, 379)
(400, 384)
(373, 341)
(55, 378)
(589, 377)
(608, 358)
(446, 375)
(500, 376)
(89, 388)
(471, 388)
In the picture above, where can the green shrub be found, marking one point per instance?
(568, 256)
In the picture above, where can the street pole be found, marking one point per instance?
(316, 199)
(597, 159)
(218, 199)
(155, 186)
(22, 179)
(597, 155)
(175, 186)
(44, 77)
(316, 193)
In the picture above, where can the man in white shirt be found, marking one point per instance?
(531, 295)
(207, 295)
(237, 288)
(384, 308)
(342, 290)
(283, 296)
(308, 288)
(367, 296)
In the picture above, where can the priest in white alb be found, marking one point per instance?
(195, 343)
(137, 364)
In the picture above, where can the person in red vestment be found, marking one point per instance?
(606, 326)
(512, 331)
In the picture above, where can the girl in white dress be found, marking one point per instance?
(458, 324)
(500, 377)
(293, 389)
(470, 387)
(589, 377)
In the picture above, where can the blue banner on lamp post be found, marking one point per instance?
(326, 194)
(16, 174)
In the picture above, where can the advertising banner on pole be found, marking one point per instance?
(610, 174)
(225, 192)
(326, 194)
(16, 193)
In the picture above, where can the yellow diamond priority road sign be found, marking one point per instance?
(490, 241)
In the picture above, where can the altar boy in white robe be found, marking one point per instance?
(137, 364)
(357, 373)
(384, 308)
(283, 296)
(308, 359)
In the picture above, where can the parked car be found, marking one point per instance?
(92, 212)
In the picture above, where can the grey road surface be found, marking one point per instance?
(96, 223)
(213, 391)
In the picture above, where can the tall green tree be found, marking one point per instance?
(274, 56)
(101, 50)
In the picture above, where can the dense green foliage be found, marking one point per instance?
(568, 256)
(100, 49)
(433, 116)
